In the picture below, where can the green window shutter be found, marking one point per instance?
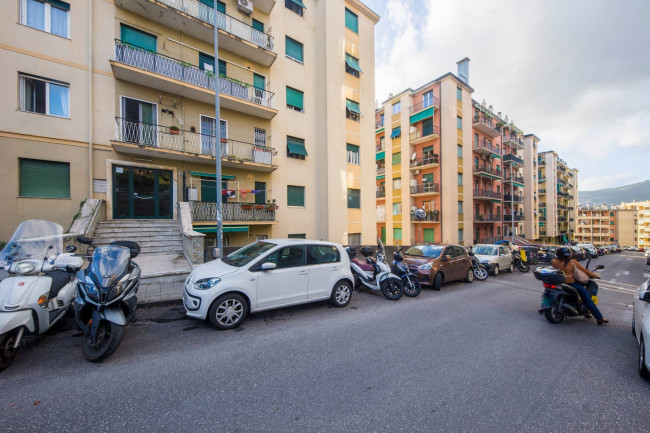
(397, 234)
(429, 235)
(296, 145)
(380, 155)
(353, 106)
(351, 20)
(383, 234)
(294, 98)
(208, 189)
(475, 140)
(397, 158)
(298, 236)
(293, 49)
(427, 178)
(352, 148)
(59, 4)
(428, 149)
(221, 7)
(207, 60)
(259, 82)
(422, 115)
(48, 179)
(396, 132)
(295, 195)
(208, 3)
(427, 126)
(137, 38)
(353, 62)
(222, 68)
(258, 25)
(354, 198)
(299, 3)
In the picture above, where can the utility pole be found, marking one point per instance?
(217, 129)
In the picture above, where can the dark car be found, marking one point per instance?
(532, 254)
(579, 253)
(435, 264)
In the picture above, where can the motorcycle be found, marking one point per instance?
(547, 256)
(412, 286)
(375, 274)
(40, 286)
(480, 270)
(106, 298)
(560, 300)
(519, 262)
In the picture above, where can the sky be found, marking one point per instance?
(576, 73)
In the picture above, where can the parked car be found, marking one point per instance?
(591, 250)
(495, 257)
(532, 254)
(579, 253)
(647, 257)
(268, 274)
(436, 264)
(641, 327)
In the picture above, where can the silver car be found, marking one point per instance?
(495, 257)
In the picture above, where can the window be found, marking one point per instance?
(427, 99)
(296, 148)
(295, 99)
(427, 127)
(459, 122)
(258, 25)
(460, 235)
(260, 137)
(353, 154)
(354, 198)
(427, 178)
(429, 235)
(322, 254)
(475, 140)
(397, 158)
(297, 236)
(352, 110)
(354, 238)
(460, 207)
(221, 6)
(51, 16)
(296, 6)
(397, 107)
(138, 38)
(459, 94)
(288, 257)
(295, 195)
(40, 95)
(397, 208)
(459, 150)
(44, 179)
(460, 179)
(397, 183)
(293, 49)
(206, 62)
(397, 234)
(352, 65)
(351, 20)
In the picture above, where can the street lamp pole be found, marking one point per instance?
(217, 133)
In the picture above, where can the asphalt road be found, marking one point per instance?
(472, 357)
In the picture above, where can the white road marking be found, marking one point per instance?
(617, 283)
(618, 274)
(646, 275)
(626, 273)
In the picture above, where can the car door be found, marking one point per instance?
(505, 258)
(288, 282)
(461, 262)
(447, 263)
(324, 262)
(455, 264)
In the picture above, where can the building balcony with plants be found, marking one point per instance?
(234, 212)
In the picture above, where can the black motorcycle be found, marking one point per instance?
(106, 296)
(519, 263)
(561, 300)
(480, 270)
(412, 286)
(547, 255)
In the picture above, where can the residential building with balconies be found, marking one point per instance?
(641, 223)
(531, 197)
(596, 225)
(558, 198)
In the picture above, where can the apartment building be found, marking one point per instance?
(423, 161)
(627, 227)
(531, 196)
(115, 100)
(558, 192)
(596, 226)
(641, 223)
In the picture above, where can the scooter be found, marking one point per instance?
(40, 286)
(410, 282)
(375, 274)
(560, 300)
(480, 270)
(519, 262)
(106, 298)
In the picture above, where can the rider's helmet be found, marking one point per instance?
(564, 253)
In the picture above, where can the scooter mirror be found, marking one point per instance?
(70, 248)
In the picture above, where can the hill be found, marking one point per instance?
(611, 196)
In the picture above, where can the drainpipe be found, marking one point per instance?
(90, 99)
(440, 164)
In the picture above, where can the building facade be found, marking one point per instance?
(531, 196)
(120, 106)
(596, 226)
(641, 220)
(557, 198)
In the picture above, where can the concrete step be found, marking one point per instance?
(155, 244)
(138, 225)
(109, 237)
(161, 288)
(116, 229)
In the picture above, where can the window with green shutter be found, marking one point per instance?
(459, 122)
(45, 179)
(295, 5)
(429, 235)
(459, 94)
(427, 127)
(397, 234)
(294, 99)
(352, 154)
(296, 148)
(221, 7)
(427, 178)
(258, 25)
(351, 20)
(293, 49)
(259, 82)
(295, 195)
(397, 158)
(354, 198)
(383, 234)
(206, 62)
(297, 236)
(137, 38)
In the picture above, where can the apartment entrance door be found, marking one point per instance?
(140, 192)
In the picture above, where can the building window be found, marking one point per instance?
(460, 179)
(297, 236)
(397, 158)
(40, 95)
(296, 148)
(293, 49)
(260, 137)
(459, 150)
(427, 99)
(459, 122)
(397, 183)
(397, 107)
(352, 154)
(351, 20)
(459, 94)
(352, 65)
(460, 207)
(397, 208)
(397, 234)
(258, 25)
(354, 198)
(352, 110)
(295, 195)
(296, 6)
(460, 235)
(44, 179)
(295, 99)
(51, 16)
(354, 238)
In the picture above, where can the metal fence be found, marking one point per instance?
(232, 211)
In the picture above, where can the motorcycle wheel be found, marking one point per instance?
(109, 337)
(480, 273)
(523, 267)
(552, 314)
(413, 289)
(392, 289)
(7, 351)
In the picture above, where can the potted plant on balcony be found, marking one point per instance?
(174, 130)
(270, 205)
(259, 206)
(247, 207)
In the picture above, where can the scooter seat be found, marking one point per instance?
(365, 266)
(59, 280)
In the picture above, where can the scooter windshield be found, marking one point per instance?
(33, 239)
(108, 264)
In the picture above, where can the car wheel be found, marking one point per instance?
(643, 368)
(511, 269)
(437, 282)
(495, 272)
(228, 311)
(470, 275)
(341, 294)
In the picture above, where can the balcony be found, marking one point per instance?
(509, 217)
(542, 205)
(423, 105)
(428, 188)
(562, 207)
(513, 141)
(381, 171)
(487, 171)
(487, 218)
(515, 179)
(563, 194)
(197, 19)
(426, 161)
(233, 212)
(562, 219)
(173, 76)
(160, 141)
(485, 147)
(486, 125)
(431, 217)
(379, 124)
(542, 219)
(487, 194)
(420, 135)
(381, 193)
(513, 198)
(512, 159)
(542, 191)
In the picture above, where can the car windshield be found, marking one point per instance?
(432, 251)
(109, 263)
(245, 255)
(33, 239)
(485, 250)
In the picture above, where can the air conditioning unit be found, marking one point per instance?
(246, 6)
(416, 171)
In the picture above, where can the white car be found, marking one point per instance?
(647, 256)
(641, 327)
(268, 274)
(495, 257)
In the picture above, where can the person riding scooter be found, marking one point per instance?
(567, 264)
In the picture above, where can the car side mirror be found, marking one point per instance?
(70, 248)
(84, 240)
(645, 297)
(268, 266)
(600, 267)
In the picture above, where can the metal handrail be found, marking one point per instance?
(486, 169)
(425, 160)
(429, 187)
(485, 144)
(511, 157)
(487, 218)
(517, 198)
(420, 105)
(421, 133)
(430, 216)
(487, 193)
(232, 211)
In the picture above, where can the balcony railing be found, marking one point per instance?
(512, 158)
(379, 124)
(225, 22)
(232, 211)
(182, 71)
(489, 240)
(542, 205)
(563, 207)
(484, 168)
(508, 217)
(517, 179)
(381, 170)
(513, 198)
(425, 160)
(381, 193)
(485, 120)
(487, 218)
(159, 136)
(424, 104)
(542, 218)
(486, 193)
(424, 132)
(513, 140)
(424, 188)
(562, 219)
(431, 217)
(486, 144)
(563, 194)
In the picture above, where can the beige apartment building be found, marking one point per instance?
(596, 226)
(558, 198)
(114, 99)
(627, 227)
(531, 195)
(641, 223)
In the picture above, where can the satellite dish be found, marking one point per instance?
(420, 214)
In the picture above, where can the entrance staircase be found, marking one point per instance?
(164, 267)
